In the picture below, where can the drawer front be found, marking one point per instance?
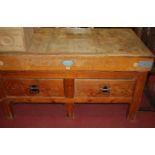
(37, 87)
(104, 87)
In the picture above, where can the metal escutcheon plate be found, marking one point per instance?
(144, 64)
(68, 63)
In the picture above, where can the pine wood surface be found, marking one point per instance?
(27, 62)
(22, 87)
(93, 87)
(89, 49)
(15, 39)
(107, 42)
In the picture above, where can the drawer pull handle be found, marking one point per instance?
(34, 89)
(105, 89)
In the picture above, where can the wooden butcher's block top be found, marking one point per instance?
(104, 49)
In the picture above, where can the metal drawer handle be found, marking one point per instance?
(34, 89)
(105, 89)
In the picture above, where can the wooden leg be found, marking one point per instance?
(70, 110)
(69, 93)
(133, 107)
(6, 109)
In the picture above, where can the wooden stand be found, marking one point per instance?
(85, 66)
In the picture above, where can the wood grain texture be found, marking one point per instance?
(15, 39)
(6, 108)
(28, 35)
(65, 100)
(110, 42)
(5, 104)
(22, 87)
(69, 88)
(28, 62)
(69, 93)
(89, 49)
(115, 88)
(137, 95)
(69, 110)
(131, 96)
(68, 74)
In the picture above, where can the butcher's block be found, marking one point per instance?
(73, 65)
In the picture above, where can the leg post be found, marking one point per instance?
(69, 93)
(70, 110)
(6, 108)
(134, 105)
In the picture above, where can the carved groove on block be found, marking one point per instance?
(7, 40)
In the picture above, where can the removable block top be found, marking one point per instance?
(90, 41)
(98, 49)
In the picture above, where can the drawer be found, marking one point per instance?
(34, 87)
(104, 87)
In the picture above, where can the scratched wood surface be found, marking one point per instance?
(70, 41)
(113, 49)
(15, 39)
(104, 41)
